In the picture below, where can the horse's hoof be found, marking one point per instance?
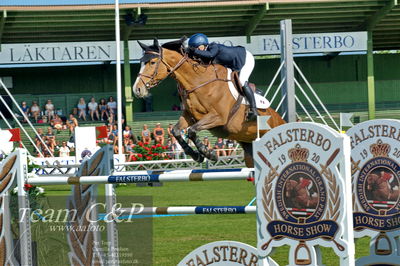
(213, 156)
(198, 157)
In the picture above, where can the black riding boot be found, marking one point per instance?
(249, 94)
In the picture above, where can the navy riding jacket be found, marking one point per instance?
(233, 57)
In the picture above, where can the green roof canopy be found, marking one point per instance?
(35, 24)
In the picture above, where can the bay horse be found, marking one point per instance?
(380, 187)
(206, 100)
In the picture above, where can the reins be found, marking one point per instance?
(208, 82)
(152, 82)
(182, 92)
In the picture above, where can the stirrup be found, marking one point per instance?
(252, 114)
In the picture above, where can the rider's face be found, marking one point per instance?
(201, 47)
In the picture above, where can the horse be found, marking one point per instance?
(206, 100)
(297, 194)
(380, 188)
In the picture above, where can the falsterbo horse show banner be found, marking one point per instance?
(225, 253)
(375, 158)
(302, 173)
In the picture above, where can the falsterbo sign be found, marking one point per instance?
(302, 173)
(375, 159)
(105, 51)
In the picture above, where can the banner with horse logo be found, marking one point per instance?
(375, 158)
(303, 190)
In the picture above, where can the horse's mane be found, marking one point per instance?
(176, 45)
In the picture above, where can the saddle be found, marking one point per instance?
(238, 85)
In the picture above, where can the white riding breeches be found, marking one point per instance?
(248, 67)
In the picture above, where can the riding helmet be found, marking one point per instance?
(198, 39)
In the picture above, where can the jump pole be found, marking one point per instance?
(287, 74)
(187, 210)
(25, 236)
(133, 177)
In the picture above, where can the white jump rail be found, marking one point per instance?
(187, 210)
(149, 176)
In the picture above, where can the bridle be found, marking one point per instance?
(152, 81)
(183, 93)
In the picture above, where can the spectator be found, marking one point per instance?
(146, 136)
(35, 111)
(122, 120)
(116, 149)
(206, 142)
(110, 136)
(38, 138)
(25, 109)
(72, 123)
(71, 142)
(46, 151)
(177, 148)
(169, 131)
(129, 149)
(169, 150)
(158, 133)
(112, 106)
(57, 123)
(42, 120)
(103, 107)
(50, 138)
(49, 110)
(92, 106)
(220, 147)
(114, 133)
(230, 146)
(64, 150)
(82, 109)
(127, 134)
(111, 121)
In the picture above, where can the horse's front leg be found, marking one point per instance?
(176, 132)
(207, 122)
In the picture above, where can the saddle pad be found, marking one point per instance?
(261, 102)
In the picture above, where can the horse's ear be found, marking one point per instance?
(183, 39)
(175, 45)
(155, 42)
(144, 46)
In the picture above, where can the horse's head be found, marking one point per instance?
(154, 67)
(151, 71)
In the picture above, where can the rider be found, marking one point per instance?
(236, 58)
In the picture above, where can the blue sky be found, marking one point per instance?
(86, 2)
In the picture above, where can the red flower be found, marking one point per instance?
(165, 147)
(147, 148)
(139, 155)
(158, 145)
(153, 147)
(148, 158)
(140, 143)
(27, 187)
(134, 158)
